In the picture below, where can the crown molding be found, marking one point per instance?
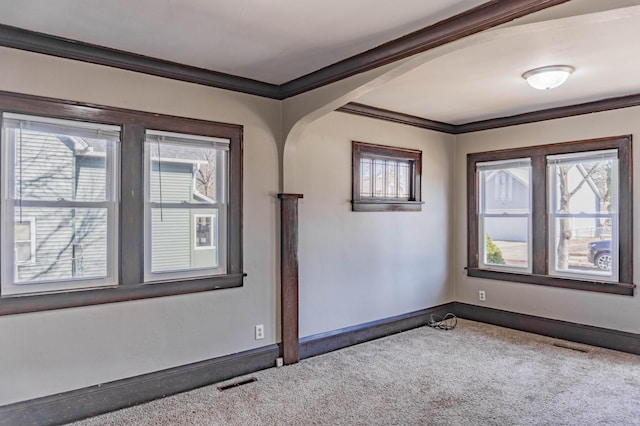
(552, 113)
(480, 18)
(494, 123)
(397, 117)
(31, 41)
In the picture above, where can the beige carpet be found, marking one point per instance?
(475, 374)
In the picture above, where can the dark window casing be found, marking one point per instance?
(408, 158)
(540, 268)
(131, 217)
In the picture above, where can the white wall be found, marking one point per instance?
(357, 267)
(55, 351)
(597, 309)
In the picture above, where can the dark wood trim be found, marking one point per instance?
(480, 18)
(540, 267)
(386, 206)
(540, 234)
(365, 204)
(72, 299)
(131, 223)
(473, 214)
(131, 241)
(94, 400)
(396, 117)
(608, 142)
(31, 41)
(337, 339)
(580, 333)
(625, 211)
(621, 288)
(235, 213)
(73, 110)
(494, 123)
(472, 21)
(289, 276)
(551, 114)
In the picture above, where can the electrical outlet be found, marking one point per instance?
(482, 296)
(259, 332)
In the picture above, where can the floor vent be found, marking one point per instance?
(572, 347)
(238, 383)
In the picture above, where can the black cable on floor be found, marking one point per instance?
(448, 322)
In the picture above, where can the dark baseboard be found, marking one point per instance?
(337, 339)
(580, 333)
(91, 401)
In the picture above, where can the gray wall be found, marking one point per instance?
(357, 267)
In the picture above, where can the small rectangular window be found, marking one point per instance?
(25, 239)
(204, 231)
(186, 205)
(60, 175)
(386, 178)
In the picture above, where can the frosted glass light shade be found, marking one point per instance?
(546, 78)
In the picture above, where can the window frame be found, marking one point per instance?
(540, 225)
(131, 285)
(361, 150)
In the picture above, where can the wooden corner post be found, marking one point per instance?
(289, 276)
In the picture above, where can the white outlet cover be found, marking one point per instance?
(259, 332)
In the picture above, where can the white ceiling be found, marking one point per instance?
(275, 41)
(482, 79)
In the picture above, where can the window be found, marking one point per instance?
(583, 212)
(505, 214)
(59, 174)
(25, 240)
(386, 178)
(103, 205)
(185, 175)
(557, 215)
(204, 226)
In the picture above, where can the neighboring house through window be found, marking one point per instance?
(558, 215)
(61, 175)
(186, 186)
(505, 213)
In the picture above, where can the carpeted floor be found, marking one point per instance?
(476, 374)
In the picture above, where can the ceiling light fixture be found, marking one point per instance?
(546, 78)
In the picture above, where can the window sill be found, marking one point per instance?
(71, 299)
(625, 289)
(386, 206)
